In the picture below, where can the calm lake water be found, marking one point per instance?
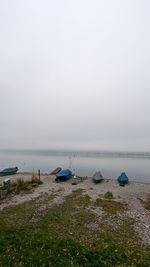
(136, 165)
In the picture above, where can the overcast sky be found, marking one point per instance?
(75, 74)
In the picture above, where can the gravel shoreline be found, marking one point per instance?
(131, 194)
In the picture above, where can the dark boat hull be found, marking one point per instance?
(63, 175)
(96, 181)
(62, 178)
(57, 170)
(97, 177)
(122, 179)
(9, 171)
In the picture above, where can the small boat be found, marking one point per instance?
(54, 172)
(9, 171)
(97, 177)
(123, 179)
(63, 175)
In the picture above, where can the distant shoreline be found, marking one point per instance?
(80, 153)
(27, 174)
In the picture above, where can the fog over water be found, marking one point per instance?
(75, 75)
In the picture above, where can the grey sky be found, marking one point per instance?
(75, 74)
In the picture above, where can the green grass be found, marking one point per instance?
(108, 195)
(147, 203)
(111, 206)
(71, 234)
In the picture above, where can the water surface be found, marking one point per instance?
(136, 165)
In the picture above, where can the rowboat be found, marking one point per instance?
(97, 177)
(63, 175)
(54, 172)
(9, 171)
(123, 179)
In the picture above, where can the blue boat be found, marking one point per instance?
(63, 175)
(123, 179)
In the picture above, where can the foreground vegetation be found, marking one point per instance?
(19, 186)
(147, 203)
(76, 233)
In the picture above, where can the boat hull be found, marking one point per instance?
(9, 171)
(123, 179)
(63, 175)
(96, 181)
(97, 177)
(57, 170)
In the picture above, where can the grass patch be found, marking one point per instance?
(108, 195)
(146, 203)
(69, 235)
(111, 206)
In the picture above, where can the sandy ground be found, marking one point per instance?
(131, 194)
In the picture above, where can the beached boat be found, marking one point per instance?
(123, 179)
(9, 171)
(63, 175)
(97, 177)
(54, 172)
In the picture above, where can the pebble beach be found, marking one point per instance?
(132, 194)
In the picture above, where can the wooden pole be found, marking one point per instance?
(39, 174)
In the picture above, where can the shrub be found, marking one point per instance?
(108, 195)
(35, 179)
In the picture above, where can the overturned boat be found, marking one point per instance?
(54, 172)
(123, 179)
(63, 175)
(97, 177)
(9, 171)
